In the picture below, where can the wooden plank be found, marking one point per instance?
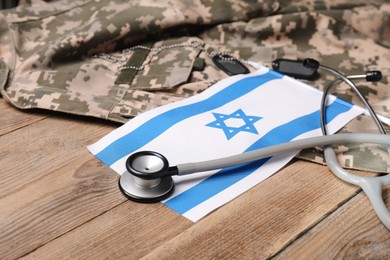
(351, 232)
(264, 220)
(50, 183)
(128, 231)
(13, 118)
(257, 224)
(58, 201)
(29, 153)
(57, 186)
(51, 206)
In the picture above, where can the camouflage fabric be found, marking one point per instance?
(47, 53)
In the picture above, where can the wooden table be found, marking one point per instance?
(58, 202)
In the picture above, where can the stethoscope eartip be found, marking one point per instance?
(373, 75)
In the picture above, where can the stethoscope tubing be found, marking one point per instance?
(347, 80)
(371, 185)
(295, 145)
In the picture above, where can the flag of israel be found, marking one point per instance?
(236, 115)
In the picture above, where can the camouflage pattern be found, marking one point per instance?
(47, 49)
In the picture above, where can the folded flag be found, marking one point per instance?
(236, 115)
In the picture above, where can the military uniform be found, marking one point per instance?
(52, 54)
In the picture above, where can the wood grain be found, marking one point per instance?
(351, 232)
(31, 152)
(263, 221)
(50, 184)
(12, 118)
(59, 202)
(128, 231)
(55, 204)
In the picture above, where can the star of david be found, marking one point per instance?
(234, 123)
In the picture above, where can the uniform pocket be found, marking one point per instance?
(157, 74)
(161, 66)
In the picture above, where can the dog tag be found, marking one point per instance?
(230, 65)
(295, 68)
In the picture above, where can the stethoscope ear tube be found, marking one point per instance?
(371, 185)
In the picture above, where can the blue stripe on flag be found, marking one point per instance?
(227, 177)
(162, 122)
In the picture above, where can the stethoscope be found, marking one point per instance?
(149, 175)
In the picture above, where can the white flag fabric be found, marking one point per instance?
(236, 115)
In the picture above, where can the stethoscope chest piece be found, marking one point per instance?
(145, 179)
